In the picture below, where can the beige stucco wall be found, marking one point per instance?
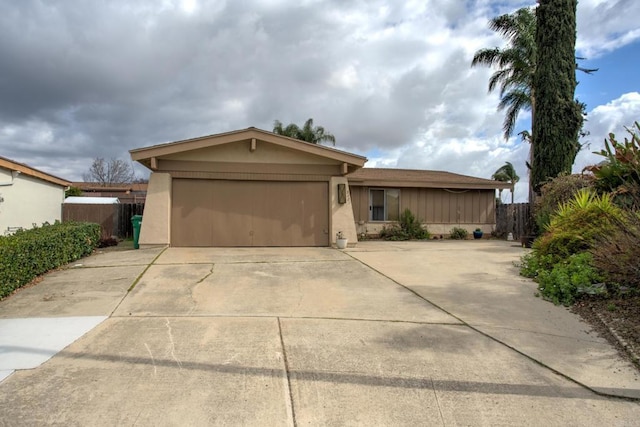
(27, 201)
(240, 152)
(341, 214)
(156, 219)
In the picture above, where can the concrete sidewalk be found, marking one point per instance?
(385, 334)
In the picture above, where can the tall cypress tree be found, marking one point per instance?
(558, 119)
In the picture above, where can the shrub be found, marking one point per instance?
(28, 254)
(569, 278)
(572, 231)
(406, 229)
(617, 254)
(458, 233)
(553, 194)
(577, 224)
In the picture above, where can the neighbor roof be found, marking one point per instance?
(97, 187)
(28, 170)
(372, 177)
(144, 155)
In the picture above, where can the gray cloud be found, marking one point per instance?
(389, 79)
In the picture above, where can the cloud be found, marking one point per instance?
(391, 80)
(612, 117)
(606, 25)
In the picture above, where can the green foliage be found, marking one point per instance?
(28, 254)
(554, 193)
(617, 253)
(558, 117)
(458, 233)
(73, 191)
(620, 172)
(506, 173)
(533, 263)
(307, 133)
(407, 228)
(563, 249)
(516, 63)
(565, 280)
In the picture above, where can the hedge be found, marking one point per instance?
(27, 254)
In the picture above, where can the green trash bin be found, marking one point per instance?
(136, 221)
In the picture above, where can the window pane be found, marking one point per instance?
(377, 205)
(393, 205)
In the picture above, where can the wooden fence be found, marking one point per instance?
(513, 218)
(125, 212)
(115, 220)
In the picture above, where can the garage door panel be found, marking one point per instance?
(191, 205)
(249, 213)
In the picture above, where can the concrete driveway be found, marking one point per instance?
(417, 333)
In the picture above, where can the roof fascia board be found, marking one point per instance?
(35, 173)
(144, 154)
(426, 184)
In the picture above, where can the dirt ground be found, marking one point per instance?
(617, 319)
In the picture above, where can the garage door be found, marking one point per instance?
(249, 213)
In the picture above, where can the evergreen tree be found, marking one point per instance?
(559, 117)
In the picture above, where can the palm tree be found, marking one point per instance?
(308, 132)
(506, 173)
(516, 62)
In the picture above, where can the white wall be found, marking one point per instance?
(28, 200)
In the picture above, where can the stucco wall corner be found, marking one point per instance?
(156, 219)
(341, 214)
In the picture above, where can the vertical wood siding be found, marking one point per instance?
(434, 205)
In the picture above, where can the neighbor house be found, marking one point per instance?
(28, 196)
(126, 193)
(255, 188)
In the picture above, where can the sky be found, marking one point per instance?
(390, 79)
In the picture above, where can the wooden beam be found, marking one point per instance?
(345, 168)
(253, 145)
(154, 163)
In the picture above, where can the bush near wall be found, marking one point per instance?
(30, 253)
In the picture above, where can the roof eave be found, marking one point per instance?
(34, 173)
(144, 155)
(426, 184)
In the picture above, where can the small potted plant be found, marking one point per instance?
(477, 233)
(341, 241)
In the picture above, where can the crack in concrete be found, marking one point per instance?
(194, 304)
(172, 346)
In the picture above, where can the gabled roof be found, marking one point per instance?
(28, 170)
(372, 177)
(144, 155)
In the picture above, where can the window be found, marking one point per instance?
(384, 204)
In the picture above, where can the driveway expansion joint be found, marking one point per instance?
(135, 282)
(290, 404)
